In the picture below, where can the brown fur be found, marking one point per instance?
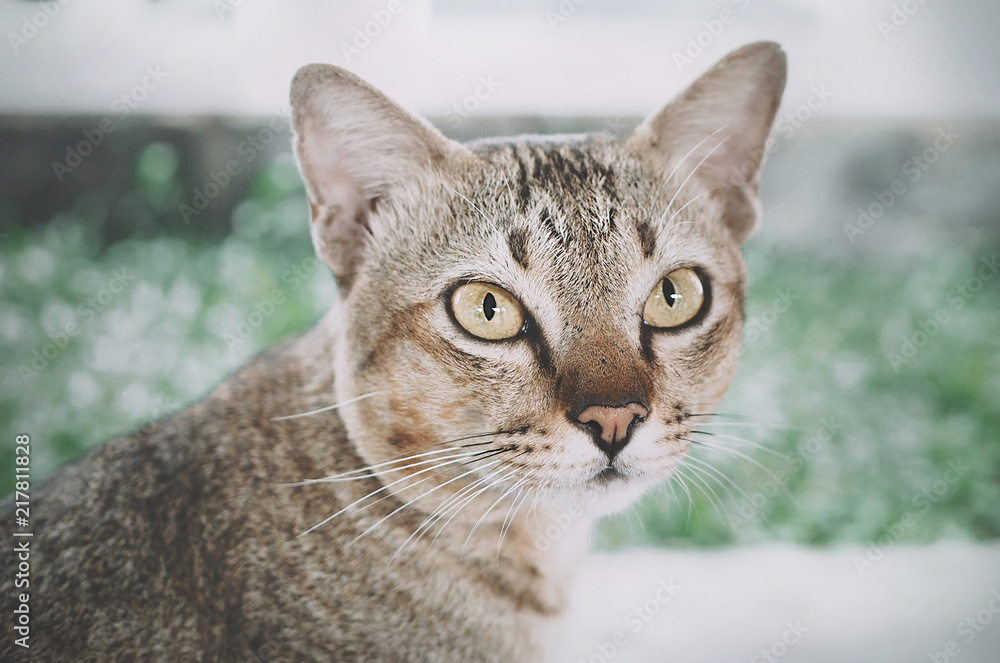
(186, 541)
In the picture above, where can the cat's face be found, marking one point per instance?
(563, 308)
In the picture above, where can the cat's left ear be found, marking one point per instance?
(357, 148)
(720, 125)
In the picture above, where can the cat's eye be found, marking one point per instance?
(676, 299)
(487, 311)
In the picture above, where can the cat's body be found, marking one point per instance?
(180, 540)
(575, 387)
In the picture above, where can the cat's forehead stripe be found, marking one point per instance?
(516, 242)
(647, 238)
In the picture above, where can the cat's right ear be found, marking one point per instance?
(355, 148)
(716, 131)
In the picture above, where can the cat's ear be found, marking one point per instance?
(356, 148)
(720, 125)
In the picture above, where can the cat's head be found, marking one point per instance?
(564, 307)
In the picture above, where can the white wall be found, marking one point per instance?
(605, 58)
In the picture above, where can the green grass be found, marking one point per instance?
(818, 364)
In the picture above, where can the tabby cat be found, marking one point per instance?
(527, 327)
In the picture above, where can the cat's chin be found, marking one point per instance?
(606, 492)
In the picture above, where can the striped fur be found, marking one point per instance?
(247, 527)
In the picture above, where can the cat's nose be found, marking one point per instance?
(614, 423)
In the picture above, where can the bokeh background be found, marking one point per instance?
(870, 374)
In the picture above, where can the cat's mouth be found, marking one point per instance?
(608, 476)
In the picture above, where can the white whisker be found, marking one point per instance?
(506, 525)
(689, 153)
(492, 506)
(693, 171)
(712, 470)
(750, 443)
(439, 512)
(698, 483)
(383, 488)
(682, 207)
(471, 498)
(327, 408)
(742, 423)
(425, 494)
(679, 476)
(488, 219)
(737, 454)
(367, 473)
(699, 477)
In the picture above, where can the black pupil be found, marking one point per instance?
(489, 306)
(668, 292)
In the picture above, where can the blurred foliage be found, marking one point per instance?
(822, 439)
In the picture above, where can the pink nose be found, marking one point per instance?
(614, 421)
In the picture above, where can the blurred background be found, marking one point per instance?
(149, 201)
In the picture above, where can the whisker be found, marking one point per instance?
(471, 498)
(689, 153)
(681, 209)
(481, 212)
(513, 199)
(679, 476)
(698, 483)
(734, 453)
(699, 476)
(749, 424)
(506, 525)
(521, 430)
(438, 513)
(367, 473)
(750, 443)
(737, 454)
(492, 506)
(381, 489)
(327, 408)
(743, 419)
(695, 170)
(712, 469)
(425, 494)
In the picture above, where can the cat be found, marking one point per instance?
(527, 328)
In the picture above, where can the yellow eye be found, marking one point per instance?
(487, 311)
(675, 299)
